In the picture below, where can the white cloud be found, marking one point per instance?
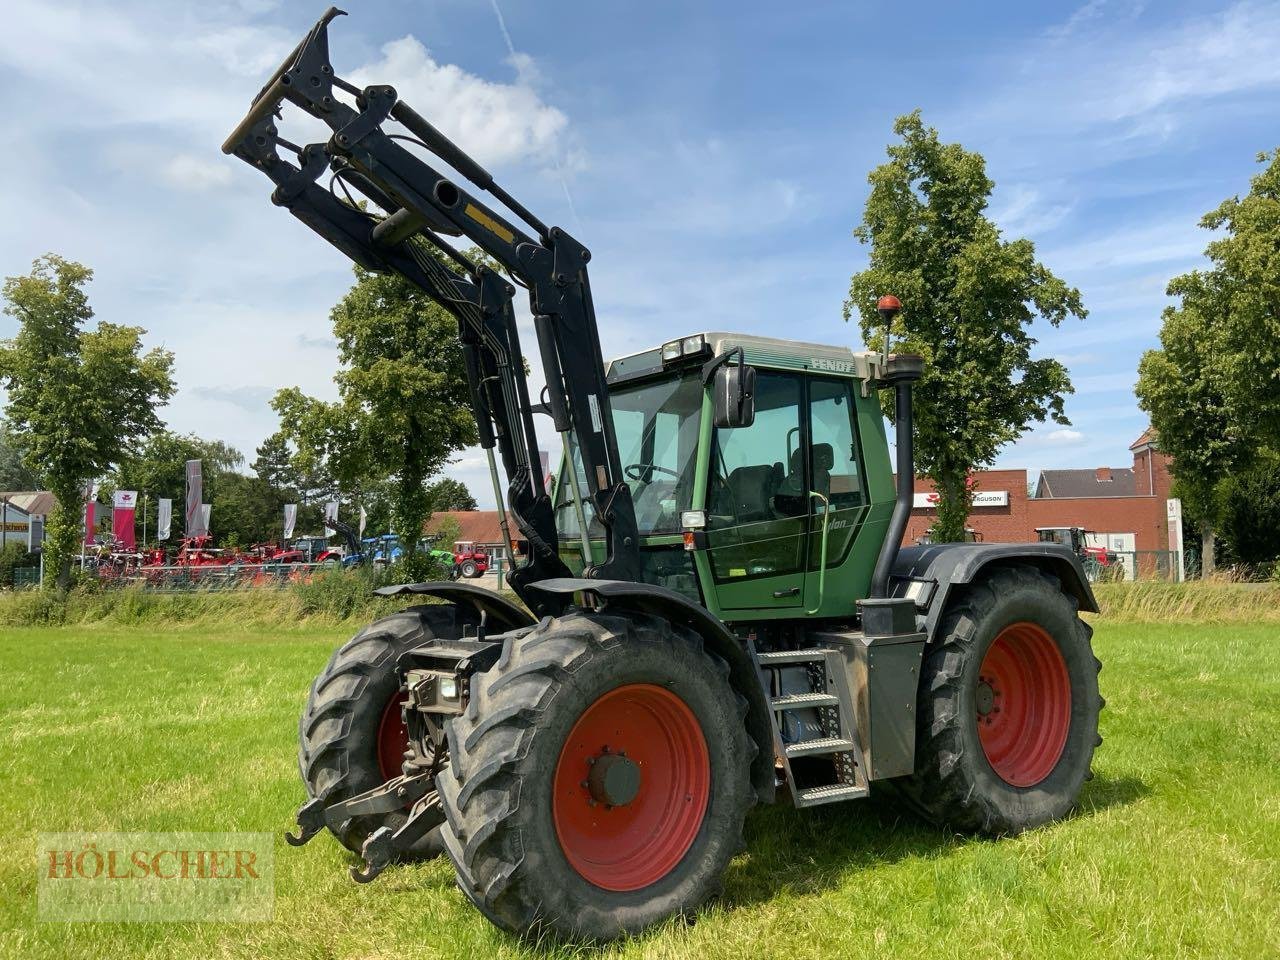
(188, 172)
(498, 123)
(1022, 209)
(1064, 436)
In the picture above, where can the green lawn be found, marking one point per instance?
(1175, 849)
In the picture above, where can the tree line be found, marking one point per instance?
(971, 296)
(82, 406)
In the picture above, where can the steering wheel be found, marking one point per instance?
(636, 471)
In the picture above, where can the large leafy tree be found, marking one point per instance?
(450, 494)
(403, 406)
(1212, 389)
(970, 298)
(79, 399)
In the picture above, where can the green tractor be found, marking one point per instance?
(716, 611)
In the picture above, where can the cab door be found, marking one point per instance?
(836, 472)
(756, 524)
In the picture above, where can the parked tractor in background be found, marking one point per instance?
(716, 611)
(470, 562)
(1099, 563)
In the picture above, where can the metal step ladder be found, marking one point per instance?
(831, 698)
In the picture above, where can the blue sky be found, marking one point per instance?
(713, 156)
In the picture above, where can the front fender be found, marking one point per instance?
(676, 608)
(501, 613)
(951, 565)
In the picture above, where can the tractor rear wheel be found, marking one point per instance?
(351, 734)
(599, 778)
(1007, 720)
(469, 569)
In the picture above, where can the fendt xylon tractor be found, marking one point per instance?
(716, 612)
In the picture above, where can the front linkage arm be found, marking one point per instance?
(420, 206)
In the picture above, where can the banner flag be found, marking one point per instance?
(196, 525)
(330, 513)
(364, 518)
(124, 504)
(290, 519)
(164, 518)
(205, 509)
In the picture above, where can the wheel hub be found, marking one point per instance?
(986, 697)
(614, 779)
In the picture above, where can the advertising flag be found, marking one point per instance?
(290, 518)
(164, 518)
(330, 513)
(204, 518)
(124, 504)
(195, 493)
(364, 518)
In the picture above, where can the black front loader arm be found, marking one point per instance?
(419, 207)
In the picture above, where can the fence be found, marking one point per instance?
(1137, 565)
(232, 576)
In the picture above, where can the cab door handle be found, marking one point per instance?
(789, 592)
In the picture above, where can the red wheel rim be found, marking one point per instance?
(653, 734)
(393, 739)
(1023, 704)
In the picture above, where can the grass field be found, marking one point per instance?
(1175, 850)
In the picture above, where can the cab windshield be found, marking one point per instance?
(656, 423)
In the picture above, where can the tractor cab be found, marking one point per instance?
(751, 520)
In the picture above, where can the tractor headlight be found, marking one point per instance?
(671, 351)
(919, 592)
(448, 688)
(691, 345)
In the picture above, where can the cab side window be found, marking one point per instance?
(836, 470)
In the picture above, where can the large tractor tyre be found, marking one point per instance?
(599, 779)
(469, 569)
(1007, 720)
(351, 736)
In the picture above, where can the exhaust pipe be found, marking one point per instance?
(899, 371)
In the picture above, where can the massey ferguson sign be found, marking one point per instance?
(981, 498)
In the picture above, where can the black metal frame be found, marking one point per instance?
(420, 205)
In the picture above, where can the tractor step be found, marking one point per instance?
(810, 655)
(809, 748)
(801, 701)
(813, 796)
(811, 709)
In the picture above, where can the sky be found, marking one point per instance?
(713, 156)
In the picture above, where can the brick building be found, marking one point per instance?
(1123, 508)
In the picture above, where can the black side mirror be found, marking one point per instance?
(735, 396)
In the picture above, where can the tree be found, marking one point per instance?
(14, 472)
(403, 404)
(1211, 389)
(449, 494)
(78, 399)
(156, 467)
(1249, 512)
(969, 299)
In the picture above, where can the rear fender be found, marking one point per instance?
(944, 568)
(676, 608)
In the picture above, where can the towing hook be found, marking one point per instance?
(364, 873)
(310, 822)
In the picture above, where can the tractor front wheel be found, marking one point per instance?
(1008, 715)
(351, 734)
(599, 778)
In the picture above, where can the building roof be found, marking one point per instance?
(1148, 439)
(475, 526)
(31, 502)
(1085, 483)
